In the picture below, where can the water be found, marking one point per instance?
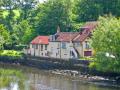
(43, 80)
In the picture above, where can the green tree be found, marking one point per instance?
(105, 41)
(4, 36)
(90, 10)
(25, 7)
(23, 33)
(87, 10)
(52, 13)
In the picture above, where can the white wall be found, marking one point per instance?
(79, 47)
(32, 51)
(54, 49)
(43, 52)
(37, 51)
(65, 53)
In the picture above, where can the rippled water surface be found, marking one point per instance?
(35, 79)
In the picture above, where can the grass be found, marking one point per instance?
(87, 58)
(12, 54)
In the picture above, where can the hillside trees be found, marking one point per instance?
(13, 14)
(44, 18)
(90, 10)
(54, 13)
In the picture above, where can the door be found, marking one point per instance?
(87, 53)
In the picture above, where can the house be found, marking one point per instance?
(61, 46)
(68, 45)
(84, 39)
(39, 46)
(64, 45)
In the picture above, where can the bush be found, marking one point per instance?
(20, 47)
(12, 54)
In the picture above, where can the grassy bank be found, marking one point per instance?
(10, 54)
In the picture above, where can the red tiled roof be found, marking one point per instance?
(87, 29)
(40, 40)
(90, 25)
(66, 36)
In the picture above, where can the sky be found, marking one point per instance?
(42, 1)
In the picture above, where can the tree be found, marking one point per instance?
(23, 33)
(90, 10)
(4, 36)
(105, 41)
(25, 7)
(54, 13)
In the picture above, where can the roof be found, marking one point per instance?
(74, 36)
(40, 40)
(90, 25)
(66, 36)
(86, 31)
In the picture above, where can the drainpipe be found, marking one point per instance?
(60, 49)
(34, 50)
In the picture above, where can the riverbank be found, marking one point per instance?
(86, 78)
(74, 68)
(73, 74)
(41, 79)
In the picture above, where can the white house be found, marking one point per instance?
(68, 45)
(39, 46)
(64, 45)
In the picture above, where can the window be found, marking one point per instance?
(37, 46)
(32, 46)
(41, 47)
(77, 44)
(46, 54)
(63, 45)
(87, 46)
(46, 47)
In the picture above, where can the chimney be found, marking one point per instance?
(58, 29)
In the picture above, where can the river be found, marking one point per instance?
(36, 79)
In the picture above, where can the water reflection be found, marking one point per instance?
(11, 79)
(45, 81)
(34, 79)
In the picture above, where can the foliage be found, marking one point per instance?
(28, 18)
(105, 41)
(20, 47)
(52, 14)
(4, 36)
(11, 53)
(90, 10)
(25, 30)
